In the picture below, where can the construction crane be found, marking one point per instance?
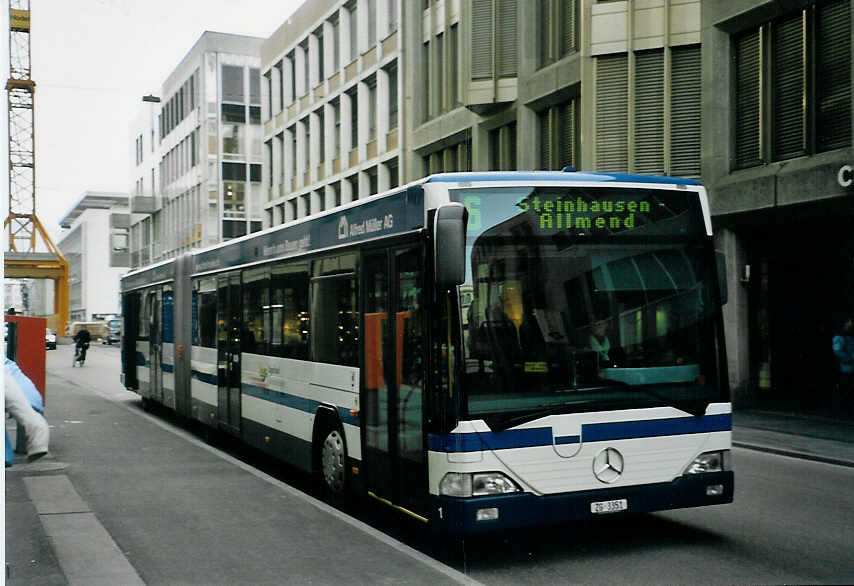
(25, 257)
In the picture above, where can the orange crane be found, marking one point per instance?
(25, 257)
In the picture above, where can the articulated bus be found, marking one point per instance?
(476, 350)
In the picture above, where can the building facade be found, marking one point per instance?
(96, 245)
(777, 115)
(751, 96)
(197, 152)
(331, 98)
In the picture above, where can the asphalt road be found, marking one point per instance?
(792, 522)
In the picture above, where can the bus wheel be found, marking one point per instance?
(333, 463)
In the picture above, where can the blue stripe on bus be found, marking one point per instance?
(167, 367)
(597, 432)
(204, 377)
(474, 442)
(591, 432)
(295, 402)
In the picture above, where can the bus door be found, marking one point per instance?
(155, 345)
(393, 379)
(228, 352)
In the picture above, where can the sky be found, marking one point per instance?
(92, 61)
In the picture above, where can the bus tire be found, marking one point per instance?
(330, 461)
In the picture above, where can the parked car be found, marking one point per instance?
(113, 335)
(50, 339)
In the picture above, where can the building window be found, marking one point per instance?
(292, 75)
(494, 24)
(502, 148)
(353, 182)
(233, 113)
(653, 94)
(612, 110)
(559, 135)
(440, 97)
(306, 82)
(371, 84)
(392, 16)
(649, 112)
(793, 85)
(393, 173)
(354, 30)
(373, 183)
(392, 96)
(280, 89)
(233, 229)
(336, 43)
(427, 96)
(354, 118)
(336, 130)
(318, 34)
(254, 86)
(685, 99)
(452, 71)
(372, 23)
(449, 160)
(557, 29)
(232, 84)
(321, 131)
(234, 198)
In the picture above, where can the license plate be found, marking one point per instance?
(609, 506)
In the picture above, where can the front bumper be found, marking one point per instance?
(458, 515)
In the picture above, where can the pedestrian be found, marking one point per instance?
(24, 403)
(81, 344)
(843, 348)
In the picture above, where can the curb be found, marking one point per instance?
(794, 454)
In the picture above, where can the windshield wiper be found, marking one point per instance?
(537, 413)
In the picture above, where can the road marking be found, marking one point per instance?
(85, 551)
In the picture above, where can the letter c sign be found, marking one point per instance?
(845, 177)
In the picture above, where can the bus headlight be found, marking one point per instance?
(461, 484)
(717, 461)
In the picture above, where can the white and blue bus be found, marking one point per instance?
(477, 350)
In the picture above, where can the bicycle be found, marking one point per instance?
(79, 354)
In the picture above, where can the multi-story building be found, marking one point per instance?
(197, 166)
(331, 98)
(777, 116)
(752, 96)
(96, 246)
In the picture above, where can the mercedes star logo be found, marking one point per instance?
(608, 465)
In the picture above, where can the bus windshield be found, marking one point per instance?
(587, 298)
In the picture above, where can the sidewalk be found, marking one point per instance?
(811, 437)
(125, 498)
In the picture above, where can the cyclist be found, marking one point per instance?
(81, 343)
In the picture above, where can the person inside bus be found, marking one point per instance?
(598, 341)
(503, 342)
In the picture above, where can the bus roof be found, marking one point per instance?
(568, 176)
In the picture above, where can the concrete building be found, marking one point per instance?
(751, 96)
(331, 98)
(777, 115)
(197, 156)
(96, 247)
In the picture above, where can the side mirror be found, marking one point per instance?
(720, 261)
(449, 242)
